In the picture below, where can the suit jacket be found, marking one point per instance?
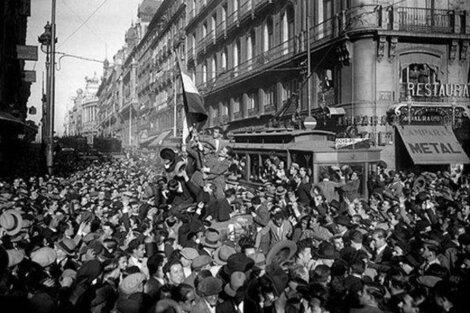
(153, 286)
(229, 306)
(274, 232)
(303, 193)
(200, 306)
(328, 188)
(262, 215)
(220, 210)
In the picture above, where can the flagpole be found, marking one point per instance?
(174, 110)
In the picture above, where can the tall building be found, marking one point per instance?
(377, 66)
(83, 117)
(15, 131)
(159, 90)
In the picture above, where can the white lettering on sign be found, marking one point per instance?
(438, 90)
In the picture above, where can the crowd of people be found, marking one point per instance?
(181, 234)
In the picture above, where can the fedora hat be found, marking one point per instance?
(238, 262)
(222, 254)
(237, 280)
(327, 251)
(67, 245)
(281, 252)
(167, 154)
(343, 220)
(209, 286)
(211, 239)
(11, 221)
(281, 191)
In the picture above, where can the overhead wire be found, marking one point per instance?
(84, 22)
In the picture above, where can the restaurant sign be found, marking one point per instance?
(438, 90)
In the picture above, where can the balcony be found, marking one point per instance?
(269, 108)
(232, 20)
(221, 30)
(237, 116)
(246, 9)
(423, 20)
(252, 112)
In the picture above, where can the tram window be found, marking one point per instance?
(255, 172)
(332, 172)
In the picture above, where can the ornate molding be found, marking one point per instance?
(464, 50)
(393, 48)
(453, 51)
(381, 48)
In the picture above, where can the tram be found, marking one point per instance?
(314, 150)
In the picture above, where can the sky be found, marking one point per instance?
(100, 37)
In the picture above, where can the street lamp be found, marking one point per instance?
(48, 40)
(45, 41)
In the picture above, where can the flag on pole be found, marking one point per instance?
(194, 111)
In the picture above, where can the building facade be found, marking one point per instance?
(371, 62)
(15, 131)
(83, 117)
(376, 65)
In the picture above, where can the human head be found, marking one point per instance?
(173, 271)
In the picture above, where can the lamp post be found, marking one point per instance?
(48, 41)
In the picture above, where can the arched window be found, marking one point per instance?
(213, 67)
(268, 35)
(224, 59)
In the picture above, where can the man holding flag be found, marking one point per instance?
(213, 166)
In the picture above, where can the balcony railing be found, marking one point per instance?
(252, 112)
(245, 8)
(269, 108)
(425, 20)
(237, 115)
(221, 29)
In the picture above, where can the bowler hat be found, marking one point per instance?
(67, 245)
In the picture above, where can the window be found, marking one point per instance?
(252, 103)
(224, 15)
(224, 59)
(213, 67)
(204, 72)
(269, 100)
(236, 56)
(417, 73)
(204, 31)
(268, 35)
(213, 22)
(236, 108)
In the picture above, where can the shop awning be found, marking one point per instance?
(432, 144)
(159, 140)
(7, 117)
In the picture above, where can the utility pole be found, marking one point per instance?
(309, 122)
(50, 143)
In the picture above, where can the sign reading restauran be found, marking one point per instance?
(432, 144)
(438, 90)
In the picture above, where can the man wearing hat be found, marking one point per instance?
(209, 289)
(210, 242)
(279, 228)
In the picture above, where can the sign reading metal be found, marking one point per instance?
(432, 144)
